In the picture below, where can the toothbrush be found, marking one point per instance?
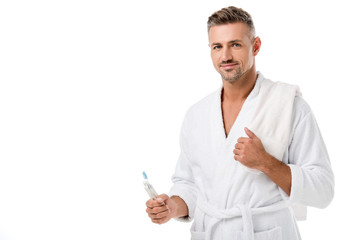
(149, 188)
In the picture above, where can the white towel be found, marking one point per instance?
(272, 118)
(272, 123)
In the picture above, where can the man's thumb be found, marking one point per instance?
(250, 133)
(162, 198)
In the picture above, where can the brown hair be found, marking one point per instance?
(231, 15)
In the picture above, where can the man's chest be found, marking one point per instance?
(229, 116)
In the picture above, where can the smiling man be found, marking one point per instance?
(250, 152)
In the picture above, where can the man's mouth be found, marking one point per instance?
(228, 65)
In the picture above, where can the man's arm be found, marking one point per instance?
(183, 194)
(308, 178)
(163, 208)
(251, 153)
(278, 172)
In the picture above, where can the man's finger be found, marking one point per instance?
(159, 221)
(156, 210)
(250, 133)
(159, 215)
(239, 145)
(237, 151)
(154, 203)
(242, 140)
(162, 198)
(159, 201)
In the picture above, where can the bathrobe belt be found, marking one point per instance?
(238, 211)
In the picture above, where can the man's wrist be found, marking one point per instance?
(278, 172)
(180, 207)
(267, 163)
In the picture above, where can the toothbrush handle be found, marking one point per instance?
(151, 191)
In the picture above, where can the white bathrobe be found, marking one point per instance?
(225, 200)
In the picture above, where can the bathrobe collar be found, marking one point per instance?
(220, 122)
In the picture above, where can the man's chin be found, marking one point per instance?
(231, 75)
(230, 78)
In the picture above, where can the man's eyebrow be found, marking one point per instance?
(232, 41)
(215, 43)
(236, 40)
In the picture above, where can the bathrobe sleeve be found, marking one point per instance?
(183, 179)
(312, 180)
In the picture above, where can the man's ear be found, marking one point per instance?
(256, 46)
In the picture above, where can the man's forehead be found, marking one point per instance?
(229, 32)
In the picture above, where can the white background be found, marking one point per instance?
(94, 92)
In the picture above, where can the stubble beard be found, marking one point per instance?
(231, 78)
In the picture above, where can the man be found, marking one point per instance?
(249, 151)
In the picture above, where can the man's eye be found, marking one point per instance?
(236, 45)
(216, 47)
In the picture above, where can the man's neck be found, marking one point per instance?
(239, 90)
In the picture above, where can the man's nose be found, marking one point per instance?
(226, 55)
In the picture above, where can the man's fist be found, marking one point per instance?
(160, 210)
(250, 151)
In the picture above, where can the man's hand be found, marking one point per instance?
(163, 208)
(160, 210)
(250, 151)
